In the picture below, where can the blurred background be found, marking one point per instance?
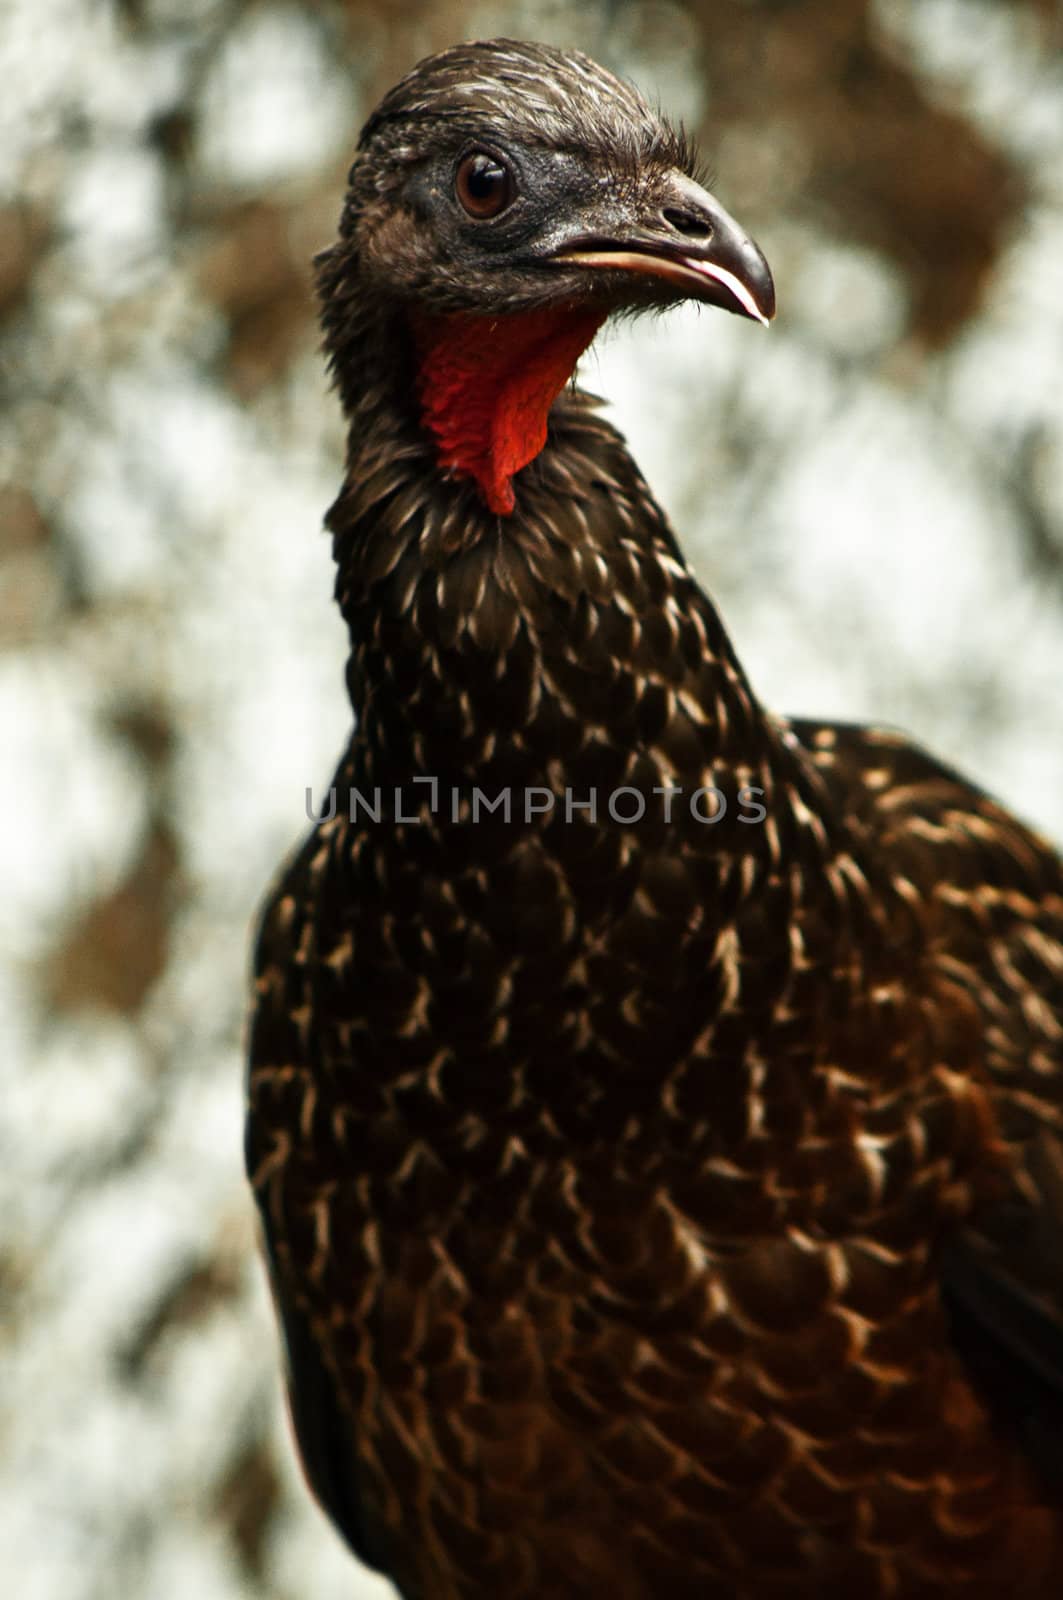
(873, 492)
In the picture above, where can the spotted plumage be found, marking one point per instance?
(657, 1207)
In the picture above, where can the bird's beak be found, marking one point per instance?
(689, 241)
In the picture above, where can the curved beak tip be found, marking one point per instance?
(748, 287)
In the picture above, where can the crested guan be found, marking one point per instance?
(655, 1108)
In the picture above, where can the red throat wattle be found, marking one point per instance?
(486, 385)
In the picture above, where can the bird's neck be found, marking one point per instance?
(567, 628)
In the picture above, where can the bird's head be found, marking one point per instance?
(506, 198)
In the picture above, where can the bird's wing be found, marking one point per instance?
(1003, 1283)
(323, 1429)
(995, 897)
(281, 1066)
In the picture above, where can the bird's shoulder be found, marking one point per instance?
(988, 888)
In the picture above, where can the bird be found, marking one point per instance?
(654, 1102)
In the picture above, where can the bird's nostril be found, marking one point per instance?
(687, 222)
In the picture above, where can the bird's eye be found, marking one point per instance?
(484, 186)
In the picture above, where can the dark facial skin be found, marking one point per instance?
(565, 209)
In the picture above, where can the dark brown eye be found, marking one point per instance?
(484, 186)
